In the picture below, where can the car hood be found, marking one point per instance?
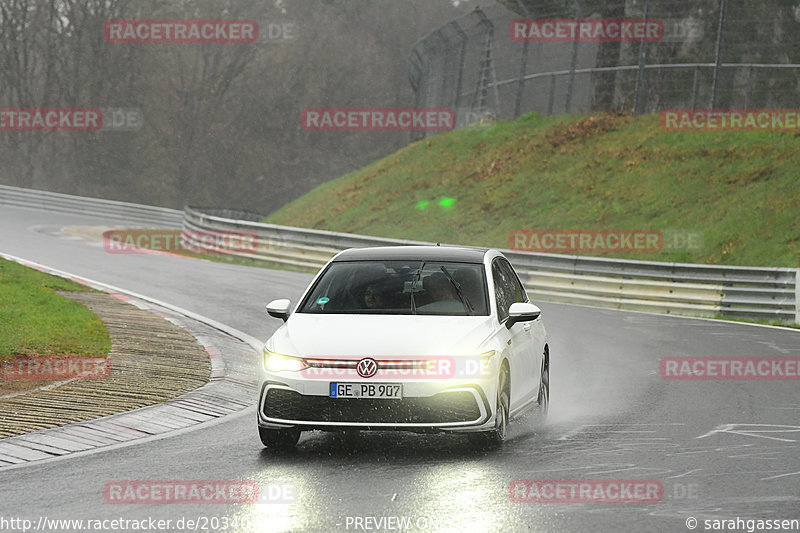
(309, 335)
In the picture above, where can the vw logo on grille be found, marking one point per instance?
(367, 368)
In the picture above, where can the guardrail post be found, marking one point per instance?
(797, 297)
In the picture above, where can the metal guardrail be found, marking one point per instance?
(671, 288)
(159, 217)
(283, 245)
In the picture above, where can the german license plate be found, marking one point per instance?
(385, 391)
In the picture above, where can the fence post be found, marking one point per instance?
(718, 63)
(695, 87)
(489, 67)
(523, 66)
(748, 98)
(496, 91)
(482, 90)
(637, 98)
(461, 65)
(573, 63)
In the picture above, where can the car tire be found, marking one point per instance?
(495, 437)
(279, 439)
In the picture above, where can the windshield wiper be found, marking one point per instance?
(464, 300)
(414, 284)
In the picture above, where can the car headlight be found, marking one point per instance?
(275, 362)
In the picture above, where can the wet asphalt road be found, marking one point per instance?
(722, 450)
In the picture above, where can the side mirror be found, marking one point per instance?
(522, 312)
(279, 308)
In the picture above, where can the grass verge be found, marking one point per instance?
(36, 321)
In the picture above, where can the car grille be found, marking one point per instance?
(456, 406)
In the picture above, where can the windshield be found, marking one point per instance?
(399, 288)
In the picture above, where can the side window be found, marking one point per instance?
(519, 290)
(507, 288)
(503, 290)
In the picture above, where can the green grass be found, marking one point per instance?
(35, 321)
(476, 185)
(765, 322)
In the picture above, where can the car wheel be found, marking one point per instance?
(279, 439)
(544, 388)
(495, 437)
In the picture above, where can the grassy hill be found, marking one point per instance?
(606, 171)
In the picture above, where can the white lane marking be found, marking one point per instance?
(778, 348)
(714, 321)
(627, 468)
(693, 451)
(780, 475)
(742, 429)
(583, 427)
(685, 473)
(718, 429)
(750, 434)
(765, 454)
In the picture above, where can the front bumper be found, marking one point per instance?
(426, 406)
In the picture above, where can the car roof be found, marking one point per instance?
(458, 254)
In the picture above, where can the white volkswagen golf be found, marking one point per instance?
(413, 338)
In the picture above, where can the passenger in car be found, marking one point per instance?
(471, 285)
(438, 288)
(374, 298)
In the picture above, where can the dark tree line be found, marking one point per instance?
(221, 121)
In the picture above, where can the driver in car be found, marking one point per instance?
(441, 296)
